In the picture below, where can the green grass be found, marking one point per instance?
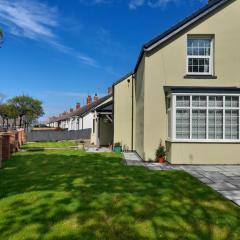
(67, 195)
(61, 144)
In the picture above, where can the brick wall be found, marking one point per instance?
(0, 151)
(5, 146)
(10, 142)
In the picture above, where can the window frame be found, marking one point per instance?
(173, 110)
(211, 60)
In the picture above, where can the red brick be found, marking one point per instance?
(5, 146)
(0, 151)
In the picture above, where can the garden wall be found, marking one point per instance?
(10, 142)
(38, 136)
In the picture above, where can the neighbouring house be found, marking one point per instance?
(102, 131)
(87, 117)
(185, 91)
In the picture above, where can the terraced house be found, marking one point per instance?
(185, 91)
(92, 116)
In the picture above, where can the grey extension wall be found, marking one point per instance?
(38, 136)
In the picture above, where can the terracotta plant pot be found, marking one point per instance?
(161, 159)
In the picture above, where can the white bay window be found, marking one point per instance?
(204, 117)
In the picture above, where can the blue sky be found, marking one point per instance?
(60, 51)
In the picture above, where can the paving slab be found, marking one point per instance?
(224, 179)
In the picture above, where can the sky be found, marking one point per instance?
(59, 51)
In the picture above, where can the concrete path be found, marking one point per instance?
(224, 179)
(97, 150)
(132, 159)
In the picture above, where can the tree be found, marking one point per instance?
(27, 108)
(4, 113)
(7, 112)
(12, 113)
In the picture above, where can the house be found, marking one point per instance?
(102, 131)
(88, 117)
(185, 91)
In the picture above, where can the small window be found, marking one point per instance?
(199, 56)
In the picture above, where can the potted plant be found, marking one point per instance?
(161, 154)
(117, 147)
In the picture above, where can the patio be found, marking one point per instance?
(224, 179)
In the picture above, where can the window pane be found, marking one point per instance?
(183, 101)
(190, 51)
(215, 101)
(182, 124)
(199, 124)
(231, 101)
(215, 124)
(231, 124)
(190, 43)
(199, 101)
(199, 47)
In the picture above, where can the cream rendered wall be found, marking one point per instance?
(123, 112)
(167, 67)
(139, 110)
(205, 153)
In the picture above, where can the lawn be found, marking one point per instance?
(60, 144)
(75, 195)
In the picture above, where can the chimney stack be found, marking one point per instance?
(95, 98)
(89, 100)
(110, 90)
(78, 106)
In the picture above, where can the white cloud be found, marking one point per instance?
(133, 4)
(30, 19)
(36, 21)
(95, 2)
(88, 60)
(136, 3)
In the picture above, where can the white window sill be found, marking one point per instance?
(199, 76)
(202, 141)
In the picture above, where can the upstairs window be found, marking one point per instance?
(199, 56)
